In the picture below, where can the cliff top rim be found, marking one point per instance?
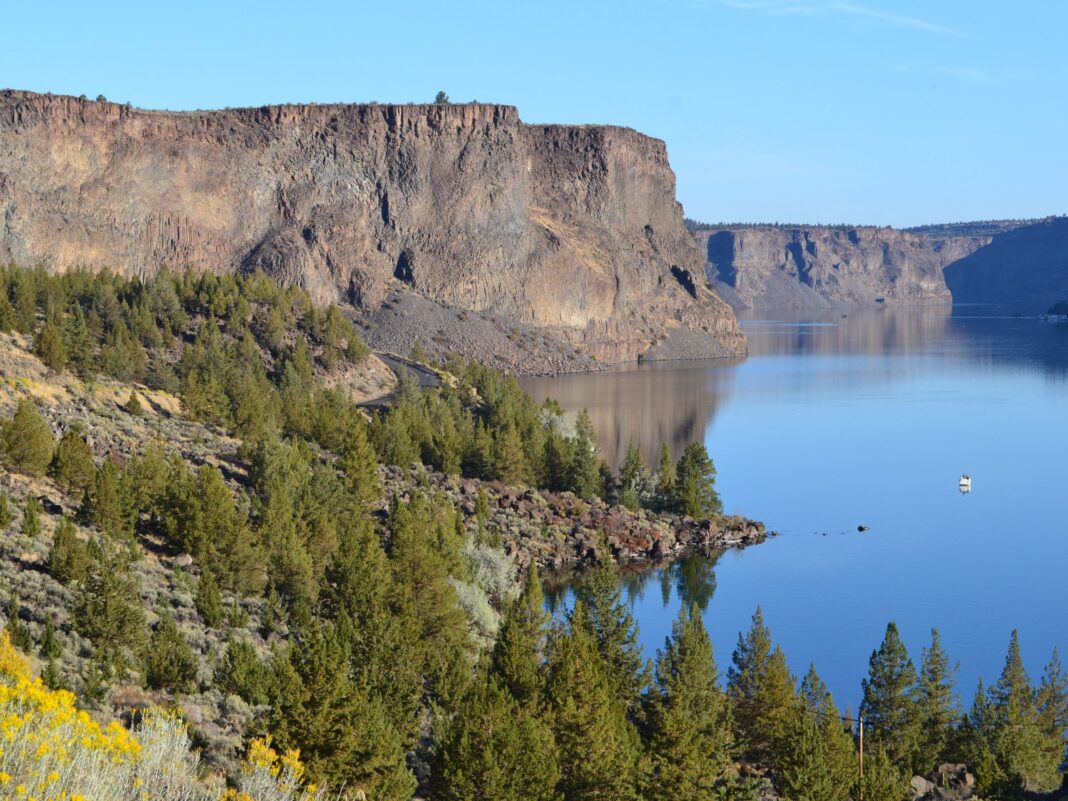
(10, 96)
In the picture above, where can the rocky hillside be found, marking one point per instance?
(569, 234)
(1025, 269)
(821, 266)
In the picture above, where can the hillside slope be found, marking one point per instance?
(569, 231)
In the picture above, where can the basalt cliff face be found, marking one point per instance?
(569, 233)
(765, 267)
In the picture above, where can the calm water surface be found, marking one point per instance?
(867, 419)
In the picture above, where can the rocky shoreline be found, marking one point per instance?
(561, 532)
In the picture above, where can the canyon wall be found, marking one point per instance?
(777, 267)
(572, 232)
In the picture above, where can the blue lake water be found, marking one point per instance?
(836, 421)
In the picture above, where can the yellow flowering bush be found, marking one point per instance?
(52, 751)
(267, 775)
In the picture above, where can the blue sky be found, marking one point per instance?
(874, 111)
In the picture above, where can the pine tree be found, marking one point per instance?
(597, 747)
(240, 672)
(890, 706)
(27, 440)
(972, 745)
(695, 484)
(1023, 750)
(208, 599)
(170, 663)
(494, 749)
(762, 693)
(689, 725)
(517, 654)
(607, 618)
(1053, 706)
(838, 751)
(938, 705)
(49, 347)
(5, 511)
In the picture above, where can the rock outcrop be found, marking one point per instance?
(570, 231)
(766, 267)
(561, 532)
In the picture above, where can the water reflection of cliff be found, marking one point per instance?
(879, 330)
(650, 404)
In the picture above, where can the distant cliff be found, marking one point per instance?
(570, 232)
(1024, 270)
(820, 266)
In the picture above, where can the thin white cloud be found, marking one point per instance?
(778, 8)
(896, 19)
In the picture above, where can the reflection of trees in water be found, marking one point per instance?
(693, 578)
(650, 404)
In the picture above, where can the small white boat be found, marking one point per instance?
(965, 483)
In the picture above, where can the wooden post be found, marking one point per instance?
(861, 758)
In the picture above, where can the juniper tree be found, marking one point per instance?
(584, 476)
(762, 693)
(517, 654)
(49, 347)
(5, 511)
(891, 707)
(883, 780)
(494, 749)
(72, 465)
(18, 631)
(170, 663)
(343, 733)
(69, 559)
(665, 480)
(31, 517)
(27, 439)
(689, 725)
(104, 505)
(208, 599)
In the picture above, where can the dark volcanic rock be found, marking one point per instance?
(559, 530)
(569, 230)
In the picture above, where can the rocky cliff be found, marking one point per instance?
(820, 266)
(1024, 270)
(570, 232)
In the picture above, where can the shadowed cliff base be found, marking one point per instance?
(573, 231)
